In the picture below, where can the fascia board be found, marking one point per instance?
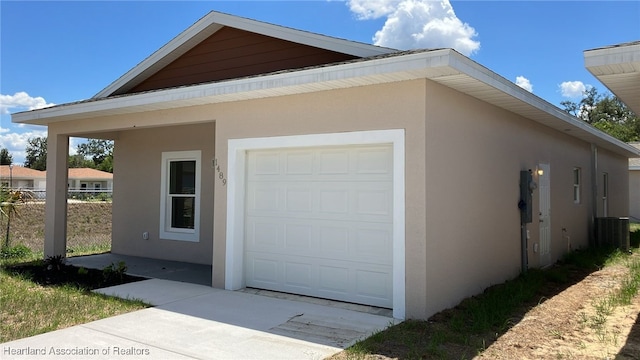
(600, 61)
(211, 23)
(436, 65)
(618, 68)
(303, 37)
(358, 73)
(179, 45)
(563, 119)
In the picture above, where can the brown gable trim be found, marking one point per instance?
(232, 53)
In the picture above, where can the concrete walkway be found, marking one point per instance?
(191, 321)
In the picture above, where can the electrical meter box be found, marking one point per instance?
(526, 190)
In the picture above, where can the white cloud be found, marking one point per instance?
(524, 83)
(573, 89)
(372, 9)
(16, 143)
(417, 24)
(21, 101)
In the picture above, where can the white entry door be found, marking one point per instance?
(319, 222)
(544, 184)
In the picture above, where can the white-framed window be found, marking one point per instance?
(180, 196)
(577, 175)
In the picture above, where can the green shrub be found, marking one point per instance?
(114, 273)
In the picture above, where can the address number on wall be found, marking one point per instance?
(220, 173)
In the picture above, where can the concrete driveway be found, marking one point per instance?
(191, 321)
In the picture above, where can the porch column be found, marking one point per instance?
(55, 229)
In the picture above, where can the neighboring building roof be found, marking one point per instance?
(634, 163)
(21, 172)
(444, 66)
(89, 174)
(618, 68)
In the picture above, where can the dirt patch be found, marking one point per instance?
(563, 321)
(88, 223)
(569, 326)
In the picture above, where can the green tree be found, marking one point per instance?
(607, 113)
(79, 161)
(5, 157)
(100, 151)
(36, 150)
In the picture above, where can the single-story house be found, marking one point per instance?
(79, 178)
(618, 68)
(13, 176)
(307, 164)
(89, 179)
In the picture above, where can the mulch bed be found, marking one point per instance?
(68, 275)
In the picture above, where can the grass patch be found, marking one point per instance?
(29, 309)
(36, 299)
(467, 329)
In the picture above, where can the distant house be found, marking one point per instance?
(307, 164)
(79, 178)
(89, 179)
(14, 176)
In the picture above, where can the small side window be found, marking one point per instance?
(577, 174)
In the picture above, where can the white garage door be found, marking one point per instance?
(319, 222)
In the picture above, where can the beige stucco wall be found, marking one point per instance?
(462, 161)
(136, 202)
(474, 154)
(634, 195)
(392, 106)
(617, 169)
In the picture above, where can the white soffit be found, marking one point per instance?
(618, 68)
(444, 66)
(213, 22)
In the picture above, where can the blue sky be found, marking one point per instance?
(57, 52)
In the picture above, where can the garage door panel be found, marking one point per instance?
(321, 224)
(265, 198)
(325, 239)
(298, 274)
(263, 235)
(264, 271)
(299, 199)
(334, 279)
(333, 201)
(333, 241)
(373, 284)
(265, 163)
(373, 161)
(299, 163)
(373, 202)
(298, 237)
(333, 162)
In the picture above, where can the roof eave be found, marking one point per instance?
(618, 68)
(444, 66)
